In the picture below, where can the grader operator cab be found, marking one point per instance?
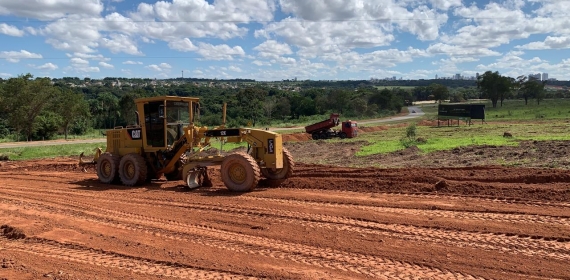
(166, 141)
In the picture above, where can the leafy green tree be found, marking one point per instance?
(439, 92)
(381, 98)
(358, 106)
(71, 106)
(338, 100)
(269, 106)
(127, 108)
(109, 110)
(535, 89)
(493, 86)
(283, 108)
(26, 99)
(250, 102)
(47, 125)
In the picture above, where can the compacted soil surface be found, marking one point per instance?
(451, 215)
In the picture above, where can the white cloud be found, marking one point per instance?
(183, 45)
(162, 67)
(549, 43)
(106, 65)
(261, 63)
(120, 43)
(98, 57)
(198, 18)
(74, 33)
(14, 56)
(79, 61)
(219, 52)
(130, 62)
(6, 75)
(10, 30)
(50, 9)
(235, 69)
(445, 4)
(272, 49)
(458, 50)
(48, 66)
(81, 65)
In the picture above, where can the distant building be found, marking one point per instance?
(458, 76)
(534, 76)
(545, 76)
(436, 76)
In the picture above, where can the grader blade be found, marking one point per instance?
(98, 153)
(198, 177)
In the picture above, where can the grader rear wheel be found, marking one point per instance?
(132, 169)
(107, 168)
(240, 172)
(282, 173)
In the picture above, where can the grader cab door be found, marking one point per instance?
(164, 121)
(154, 124)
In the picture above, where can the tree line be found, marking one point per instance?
(39, 108)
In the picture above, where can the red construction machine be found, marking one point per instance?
(323, 130)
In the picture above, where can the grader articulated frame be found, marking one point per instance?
(165, 141)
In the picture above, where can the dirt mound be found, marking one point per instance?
(490, 182)
(296, 137)
(427, 123)
(11, 232)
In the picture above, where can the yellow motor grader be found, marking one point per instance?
(165, 141)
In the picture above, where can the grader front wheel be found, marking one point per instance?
(240, 172)
(282, 173)
(107, 168)
(132, 169)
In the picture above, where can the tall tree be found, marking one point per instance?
(534, 88)
(71, 106)
(109, 109)
(250, 100)
(493, 86)
(519, 88)
(128, 108)
(439, 92)
(26, 99)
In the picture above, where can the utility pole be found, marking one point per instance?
(182, 74)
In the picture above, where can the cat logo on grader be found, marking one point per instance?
(165, 141)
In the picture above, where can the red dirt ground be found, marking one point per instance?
(450, 215)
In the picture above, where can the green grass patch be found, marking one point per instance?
(447, 138)
(24, 153)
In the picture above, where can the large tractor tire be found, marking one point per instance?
(132, 169)
(240, 172)
(107, 168)
(283, 173)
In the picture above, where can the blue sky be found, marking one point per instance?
(283, 39)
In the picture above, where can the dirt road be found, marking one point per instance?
(479, 222)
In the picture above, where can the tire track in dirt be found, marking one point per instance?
(91, 256)
(452, 214)
(286, 216)
(455, 196)
(368, 265)
(504, 200)
(506, 242)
